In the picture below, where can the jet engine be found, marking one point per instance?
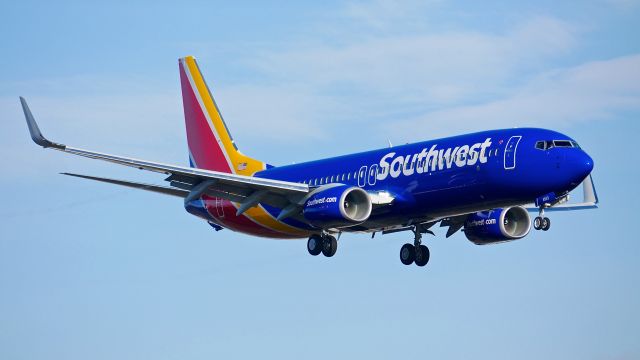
(498, 225)
(337, 207)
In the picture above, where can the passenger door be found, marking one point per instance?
(510, 152)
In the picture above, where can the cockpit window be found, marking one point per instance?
(548, 144)
(562, 143)
(541, 145)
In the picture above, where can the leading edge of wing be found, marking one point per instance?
(269, 184)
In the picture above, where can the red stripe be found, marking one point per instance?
(204, 148)
(239, 223)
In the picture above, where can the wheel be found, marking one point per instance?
(537, 223)
(329, 246)
(422, 256)
(314, 245)
(407, 254)
(546, 224)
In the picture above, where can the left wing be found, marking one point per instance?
(191, 183)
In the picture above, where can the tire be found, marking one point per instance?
(546, 224)
(537, 223)
(330, 246)
(422, 258)
(315, 245)
(407, 254)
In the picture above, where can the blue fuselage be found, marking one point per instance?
(451, 176)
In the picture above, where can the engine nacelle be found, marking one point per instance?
(337, 207)
(498, 225)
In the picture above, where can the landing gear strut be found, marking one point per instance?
(325, 244)
(541, 222)
(416, 252)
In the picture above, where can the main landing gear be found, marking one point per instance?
(325, 244)
(541, 222)
(416, 253)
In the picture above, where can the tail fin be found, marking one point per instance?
(211, 146)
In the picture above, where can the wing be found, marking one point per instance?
(589, 200)
(191, 183)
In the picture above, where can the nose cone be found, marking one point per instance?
(587, 164)
(581, 166)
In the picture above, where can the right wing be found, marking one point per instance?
(589, 200)
(191, 183)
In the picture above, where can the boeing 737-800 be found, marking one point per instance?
(484, 183)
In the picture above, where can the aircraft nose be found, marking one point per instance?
(583, 165)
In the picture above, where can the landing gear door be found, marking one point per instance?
(510, 152)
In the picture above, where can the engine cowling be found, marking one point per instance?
(337, 207)
(498, 225)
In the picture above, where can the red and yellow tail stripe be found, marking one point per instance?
(211, 145)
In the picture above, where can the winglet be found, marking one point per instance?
(36, 135)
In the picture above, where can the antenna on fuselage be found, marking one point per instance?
(389, 141)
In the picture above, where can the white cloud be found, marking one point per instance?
(597, 90)
(437, 68)
(385, 15)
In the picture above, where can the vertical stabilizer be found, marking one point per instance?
(211, 146)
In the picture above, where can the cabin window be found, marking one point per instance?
(348, 176)
(326, 180)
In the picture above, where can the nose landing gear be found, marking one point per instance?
(416, 252)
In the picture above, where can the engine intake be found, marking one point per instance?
(337, 206)
(498, 225)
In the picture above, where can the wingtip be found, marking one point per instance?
(34, 130)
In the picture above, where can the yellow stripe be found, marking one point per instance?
(241, 163)
(263, 218)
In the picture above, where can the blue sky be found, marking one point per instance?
(92, 271)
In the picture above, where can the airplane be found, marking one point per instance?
(484, 184)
